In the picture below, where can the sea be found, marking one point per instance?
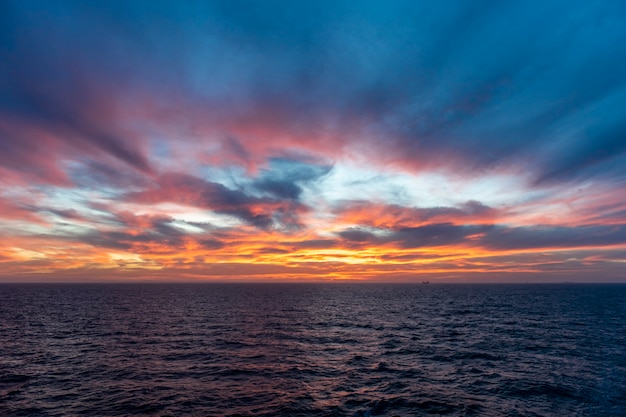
(312, 350)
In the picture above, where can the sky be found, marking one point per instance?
(313, 140)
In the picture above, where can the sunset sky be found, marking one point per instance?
(313, 140)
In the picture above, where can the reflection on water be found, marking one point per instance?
(315, 350)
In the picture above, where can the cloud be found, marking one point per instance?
(261, 212)
(28, 154)
(536, 237)
(258, 113)
(597, 149)
(57, 93)
(355, 235)
(438, 234)
(394, 216)
(90, 173)
(154, 237)
(286, 178)
(490, 236)
(467, 88)
(430, 235)
(18, 210)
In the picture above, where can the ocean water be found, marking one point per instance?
(312, 350)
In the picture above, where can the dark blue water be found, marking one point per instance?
(313, 350)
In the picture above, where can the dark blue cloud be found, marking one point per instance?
(436, 234)
(476, 85)
(493, 237)
(356, 235)
(57, 82)
(211, 243)
(503, 238)
(261, 212)
(285, 178)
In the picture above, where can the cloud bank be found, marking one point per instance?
(313, 140)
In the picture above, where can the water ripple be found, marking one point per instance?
(312, 350)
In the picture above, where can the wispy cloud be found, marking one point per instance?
(312, 139)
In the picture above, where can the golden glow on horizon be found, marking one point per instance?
(171, 230)
(256, 258)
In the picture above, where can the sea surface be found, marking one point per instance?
(312, 350)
